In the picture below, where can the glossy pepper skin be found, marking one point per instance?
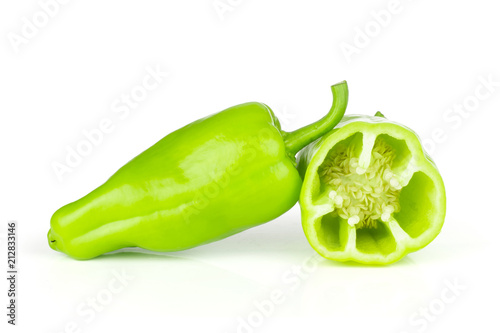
(370, 193)
(213, 178)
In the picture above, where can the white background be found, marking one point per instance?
(65, 77)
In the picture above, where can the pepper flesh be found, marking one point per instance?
(370, 193)
(206, 181)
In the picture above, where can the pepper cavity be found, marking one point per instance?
(362, 196)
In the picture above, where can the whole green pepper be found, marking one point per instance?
(215, 177)
(370, 194)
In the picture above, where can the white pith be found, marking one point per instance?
(362, 194)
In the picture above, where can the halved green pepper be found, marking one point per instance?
(208, 180)
(370, 193)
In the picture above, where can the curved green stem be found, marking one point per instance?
(298, 139)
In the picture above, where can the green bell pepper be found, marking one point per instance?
(215, 177)
(370, 193)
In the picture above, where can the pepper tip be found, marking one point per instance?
(52, 241)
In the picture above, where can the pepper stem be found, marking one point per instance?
(298, 139)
